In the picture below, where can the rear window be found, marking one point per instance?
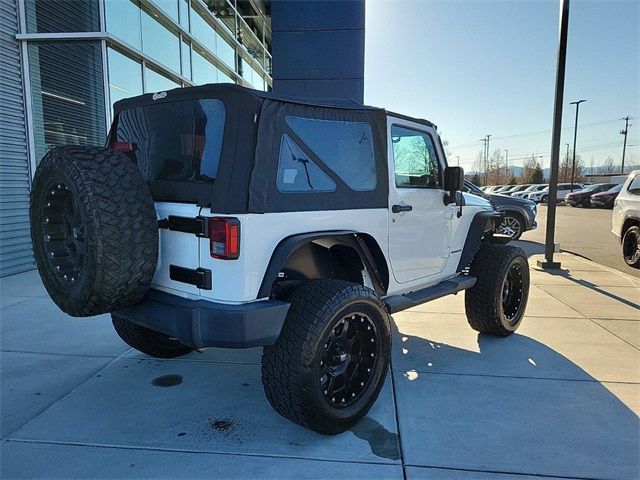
(177, 141)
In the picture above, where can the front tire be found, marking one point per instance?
(496, 303)
(148, 341)
(326, 369)
(631, 247)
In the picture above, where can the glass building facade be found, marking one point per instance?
(84, 55)
(66, 62)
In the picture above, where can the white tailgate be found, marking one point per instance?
(176, 248)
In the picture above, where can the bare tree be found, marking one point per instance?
(608, 166)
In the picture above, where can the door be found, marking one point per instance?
(419, 221)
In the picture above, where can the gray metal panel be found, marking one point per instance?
(15, 243)
(318, 48)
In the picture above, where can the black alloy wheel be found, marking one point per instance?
(348, 362)
(330, 361)
(64, 233)
(513, 292)
(631, 247)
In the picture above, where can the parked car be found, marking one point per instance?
(582, 198)
(219, 216)
(605, 199)
(530, 189)
(625, 220)
(517, 189)
(541, 196)
(519, 214)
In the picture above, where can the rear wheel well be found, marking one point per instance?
(354, 258)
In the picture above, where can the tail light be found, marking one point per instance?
(224, 233)
(123, 147)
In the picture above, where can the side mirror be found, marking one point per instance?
(453, 181)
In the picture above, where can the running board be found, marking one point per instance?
(396, 303)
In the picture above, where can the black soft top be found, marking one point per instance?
(254, 126)
(216, 90)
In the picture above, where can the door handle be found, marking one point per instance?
(401, 208)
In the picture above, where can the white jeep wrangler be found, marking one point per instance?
(218, 216)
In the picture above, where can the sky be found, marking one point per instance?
(477, 67)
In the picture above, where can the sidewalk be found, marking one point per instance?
(559, 399)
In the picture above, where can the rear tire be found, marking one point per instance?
(326, 369)
(496, 303)
(631, 246)
(148, 341)
(94, 229)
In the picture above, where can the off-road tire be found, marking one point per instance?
(484, 301)
(148, 341)
(291, 367)
(116, 219)
(630, 245)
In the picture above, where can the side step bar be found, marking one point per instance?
(396, 303)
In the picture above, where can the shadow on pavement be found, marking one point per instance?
(561, 422)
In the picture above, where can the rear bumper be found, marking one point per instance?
(200, 323)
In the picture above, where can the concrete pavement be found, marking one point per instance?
(559, 399)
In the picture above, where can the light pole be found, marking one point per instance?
(484, 154)
(506, 162)
(575, 136)
(549, 243)
(624, 145)
(487, 157)
(567, 164)
(458, 160)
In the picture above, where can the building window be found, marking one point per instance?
(225, 52)
(160, 43)
(51, 16)
(125, 76)
(123, 20)
(298, 173)
(185, 60)
(344, 147)
(155, 82)
(203, 71)
(67, 94)
(184, 14)
(170, 7)
(415, 160)
(204, 32)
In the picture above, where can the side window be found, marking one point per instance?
(415, 160)
(345, 147)
(634, 186)
(298, 173)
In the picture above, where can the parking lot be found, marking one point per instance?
(585, 232)
(559, 399)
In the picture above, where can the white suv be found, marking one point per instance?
(625, 220)
(219, 216)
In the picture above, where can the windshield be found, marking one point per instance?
(177, 141)
(615, 189)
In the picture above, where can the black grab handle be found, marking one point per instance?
(401, 208)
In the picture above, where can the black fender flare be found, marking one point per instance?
(371, 260)
(482, 222)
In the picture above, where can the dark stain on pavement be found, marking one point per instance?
(223, 425)
(167, 381)
(382, 442)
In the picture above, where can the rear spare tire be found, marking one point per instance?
(94, 229)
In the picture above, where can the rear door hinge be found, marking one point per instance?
(199, 225)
